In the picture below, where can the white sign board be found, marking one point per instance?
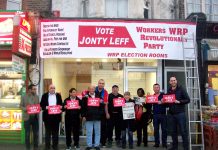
(116, 39)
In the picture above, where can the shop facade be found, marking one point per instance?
(75, 53)
(15, 48)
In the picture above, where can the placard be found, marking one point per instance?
(55, 109)
(118, 102)
(94, 102)
(33, 109)
(151, 99)
(128, 111)
(72, 104)
(171, 98)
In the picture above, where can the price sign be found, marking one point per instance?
(171, 98)
(94, 102)
(55, 109)
(33, 109)
(118, 102)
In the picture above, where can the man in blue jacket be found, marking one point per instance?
(159, 118)
(177, 111)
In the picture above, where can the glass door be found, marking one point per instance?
(141, 78)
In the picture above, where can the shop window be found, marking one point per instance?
(11, 87)
(119, 8)
(80, 73)
(14, 5)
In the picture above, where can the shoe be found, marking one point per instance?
(130, 146)
(109, 144)
(138, 144)
(77, 147)
(97, 148)
(69, 148)
(88, 148)
(145, 145)
(156, 145)
(102, 145)
(123, 146)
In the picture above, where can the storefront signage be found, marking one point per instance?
(33, 109)
(18, 64)
(6, 26)
(73, 104)
(25, 25)
(10, 119)
(22, 42)
(128, 111)
(94, 102)
(118, 102)
(171, 98)
(55, 109)
(212, 30)
(115, 39)
(151, 99)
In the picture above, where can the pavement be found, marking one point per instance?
(82, 146)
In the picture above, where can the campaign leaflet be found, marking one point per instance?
(171, 98)
(151, 99)
(94, 102)
(72, 104)
(55, 109)
(33, 109)
(118, 102)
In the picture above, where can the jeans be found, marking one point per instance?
(33, 121)
(103, 136)
(160, 119)
(130, 137)
(89, 132)
(180, 120)
(114, 121)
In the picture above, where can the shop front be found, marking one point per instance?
(129, 53)
(13, 66)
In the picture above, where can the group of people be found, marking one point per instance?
(101, 116)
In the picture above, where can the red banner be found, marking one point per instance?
(72, 104)
(94, 102)
(33, 109)
(151, 99)
(104, 36)
(55, 109)
(169, 98)
(118, 102)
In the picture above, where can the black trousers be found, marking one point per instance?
(72, 124)
(103, 130)
(51, 130)
(114, 121)
(142, 126)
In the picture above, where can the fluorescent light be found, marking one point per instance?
(5, 62)
(104, 60)
(78, 59)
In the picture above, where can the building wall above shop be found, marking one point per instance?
(36, 5)
(3, 4)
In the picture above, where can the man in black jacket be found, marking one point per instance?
(115, 116)
(177, 111)
(51, 121)
(72, 107)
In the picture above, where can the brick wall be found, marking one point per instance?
(36, 5)
(3, 4)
